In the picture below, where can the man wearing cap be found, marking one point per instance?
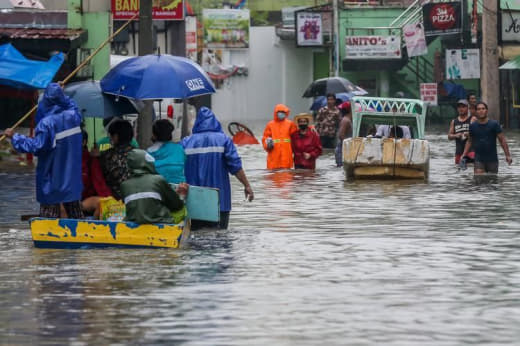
(459, 131)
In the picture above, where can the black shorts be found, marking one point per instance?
(488, 167)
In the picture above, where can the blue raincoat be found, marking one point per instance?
(169, 161)
(211, 156)
(57, 144)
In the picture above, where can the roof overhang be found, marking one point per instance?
(513, 64)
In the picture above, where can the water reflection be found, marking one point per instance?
(314, 259)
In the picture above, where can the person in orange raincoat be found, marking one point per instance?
(277, 139)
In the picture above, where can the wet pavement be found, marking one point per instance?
(313, 260)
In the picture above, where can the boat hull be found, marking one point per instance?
(386, 158)
(70, 233)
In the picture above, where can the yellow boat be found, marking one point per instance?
(394, 158)
(70, 233)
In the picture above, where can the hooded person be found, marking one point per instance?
(147, 195)
(210, 157)
(277, 139)
(57, 143)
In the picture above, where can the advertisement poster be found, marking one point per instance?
(225, 28)
(429, 93)
(414, 39)
(373, 47)
(442, 18)
(162, 9)
(462, 63)
(191, 37)
(309, 29)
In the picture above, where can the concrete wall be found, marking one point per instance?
(278, 73)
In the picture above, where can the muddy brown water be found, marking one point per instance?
(313, 260)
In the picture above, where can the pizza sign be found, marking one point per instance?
(442, 18)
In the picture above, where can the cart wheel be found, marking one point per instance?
(235, 127)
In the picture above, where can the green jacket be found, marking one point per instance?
(148, 197)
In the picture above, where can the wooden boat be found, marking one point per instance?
(202, 204)
(394, 158)
(70, 233)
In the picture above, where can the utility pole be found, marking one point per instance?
(335, 14)
(145, 118)
(489, 81)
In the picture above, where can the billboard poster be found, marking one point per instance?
(161, 10)
(191, 37)
(414, 39)
(444, 18)
(309, 29)
(373, 47)
(429, 93)
(226, 28)
(462, 63)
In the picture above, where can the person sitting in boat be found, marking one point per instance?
(94, 185)
(57, 144)
(113, 160)
(169, 157)
(104, 143)
(384, 131)
(147, 195)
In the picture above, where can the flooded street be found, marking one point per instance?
(313, 260)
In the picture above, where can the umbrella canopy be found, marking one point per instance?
(334, 85)
(151, 77)
(93, 103)
(321, 101)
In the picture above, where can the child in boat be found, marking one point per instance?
(169, 157)
(148, 197)
(94, 185)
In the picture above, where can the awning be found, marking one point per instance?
(19, 72)
(513, 64)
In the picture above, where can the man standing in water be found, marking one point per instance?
(327, 122)
(483, 135)
(459, 130)
(57, 143)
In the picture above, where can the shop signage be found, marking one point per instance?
(309, 29)
(191, 37)
(510, 26)
(226, 28)
(462, 63)
(429, 93)
(414, 38)
(372, 47)
(443, 18)
(162, 9)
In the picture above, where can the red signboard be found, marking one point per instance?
(162, 9)
(442, 18)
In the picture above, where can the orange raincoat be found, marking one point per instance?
(280, 131)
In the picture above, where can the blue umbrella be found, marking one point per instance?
(321, 101)
(151, 77)
(93, 103)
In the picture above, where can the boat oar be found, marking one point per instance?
(73, 73)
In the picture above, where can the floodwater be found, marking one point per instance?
(313, 260)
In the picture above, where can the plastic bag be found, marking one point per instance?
(110, 209)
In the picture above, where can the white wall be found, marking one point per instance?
(278, 73)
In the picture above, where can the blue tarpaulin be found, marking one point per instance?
(19, 72)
